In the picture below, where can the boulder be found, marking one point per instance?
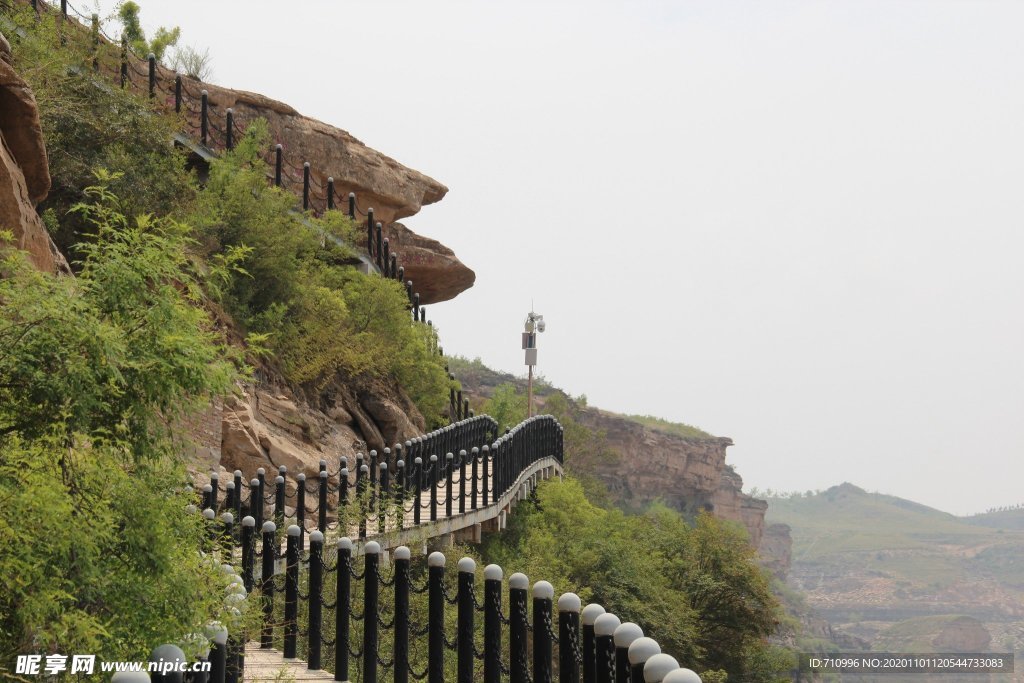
(438, 275)
(24, 170)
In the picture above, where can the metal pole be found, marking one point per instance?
(321, 510)
(151, 58)
(371, 593)
(518, 584)
(604, 660)
(590, 613)
(369, 232)
(278, 160)
(279, 500)
(300, 506)
(401, 647)
(177, 93)
(352, 205)
(418, 470)
(492, 623)
(435, 618)
(229, 135)
(640, 650)
(219, 655)
(466, 616)
(330, 193)
(623, 637)
(248, 551)
(543, 594)
(124, 61)
(267, 584)
(305, 186)
(316, 586)
(568, 638)
(529, 392)
(291, 593)
(343, 610)
(96, 43)
(204, 117)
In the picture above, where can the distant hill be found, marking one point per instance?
(1005, 519)
(868, 562)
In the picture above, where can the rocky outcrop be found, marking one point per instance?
(686, 473)
(269, 426)
(433, 267)
(24, 171)
(392, 190)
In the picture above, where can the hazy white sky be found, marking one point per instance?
(797, 224)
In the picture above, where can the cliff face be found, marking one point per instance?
(686, 473)
(392, 190)
(24, 170)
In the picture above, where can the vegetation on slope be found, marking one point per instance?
(96, 371)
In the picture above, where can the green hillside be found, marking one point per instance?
(846, 518)
(878, 567)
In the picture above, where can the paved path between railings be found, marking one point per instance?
(263, 666)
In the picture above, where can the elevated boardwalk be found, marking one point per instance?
(268, 665)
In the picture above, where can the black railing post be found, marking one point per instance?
(124, 61)
(434, 464)
(229, 134)
(369, 232)
(204, 117)
(330, 192)
(151, 59)
(63, 9)
(342, 612)
(568, 638)
(543, 594)
(229, 498)
(248, 551)
(435, 618)
(361, 485)
(418, 489)
(623, 637)
(474, 487)
(352, 205)
(401, 637)
(371, 596)
(316, 587)
(207, 497)
(400, 276)
(385, 257)
(394, 267)
(408, 290)
(401, 486)
(321, 509)
(255, 509)
(214, 491)
(384, 499)
(177, 93)
(305, 186)
(604, 632)
(291, 593)
(267, 584)
(640, 650)
(278, 164)
(96, 42)
(587, 617)
(518, 585)
(415, 307)
(300, 506)
(492, 623)
(449, 460)
(227, 532)
(485, 454)
(463, 456)
(466, 616)
(218, 654)
(380, 244)
(279, 499)
(458, 406)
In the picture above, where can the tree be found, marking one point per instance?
(163, 38)
(98, 551)
(506, 405)
(193, 62)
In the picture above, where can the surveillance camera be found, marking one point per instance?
(540, 326)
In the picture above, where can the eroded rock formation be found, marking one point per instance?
(392, 190)
(24, 170)
(686, 473)
(269, 425)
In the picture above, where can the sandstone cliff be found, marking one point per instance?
(687, 473)
(24, 171)
(392, 190)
